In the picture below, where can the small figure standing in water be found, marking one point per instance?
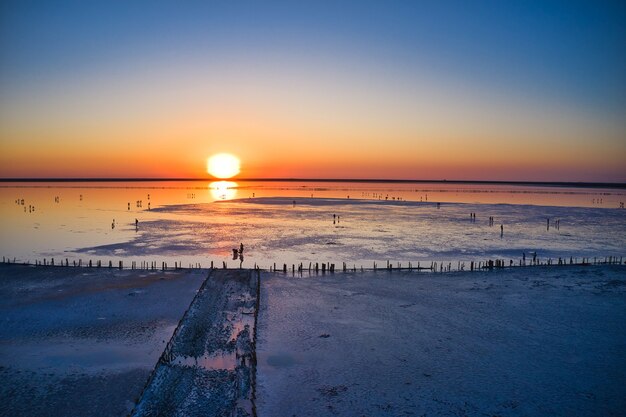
(113, 225)
(238, 254)
(334, 218)
(548, 223)
(501, 230)
(136, 224)
(294, 203)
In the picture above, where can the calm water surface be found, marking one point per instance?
(200, 222)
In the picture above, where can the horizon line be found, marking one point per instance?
(585, 184)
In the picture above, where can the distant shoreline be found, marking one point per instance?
(335, 180)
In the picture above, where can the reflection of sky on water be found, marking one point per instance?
(185, 225)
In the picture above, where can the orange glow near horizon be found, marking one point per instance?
(328, 128)
(313, 90)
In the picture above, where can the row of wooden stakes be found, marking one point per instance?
(318, 267)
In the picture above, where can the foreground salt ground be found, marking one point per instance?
(521, 342)
(81, 341)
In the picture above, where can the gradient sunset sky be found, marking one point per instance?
(485, 90)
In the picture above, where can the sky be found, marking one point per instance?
(467, 90)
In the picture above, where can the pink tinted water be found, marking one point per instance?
(41, 220)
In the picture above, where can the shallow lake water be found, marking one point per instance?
(195, 222)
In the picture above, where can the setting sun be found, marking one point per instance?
(223, 165)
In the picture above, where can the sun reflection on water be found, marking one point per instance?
(223, 190)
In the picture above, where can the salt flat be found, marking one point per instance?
(532, 341)
(524, 341)
(83, 341)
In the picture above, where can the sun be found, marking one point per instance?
(223, 165)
